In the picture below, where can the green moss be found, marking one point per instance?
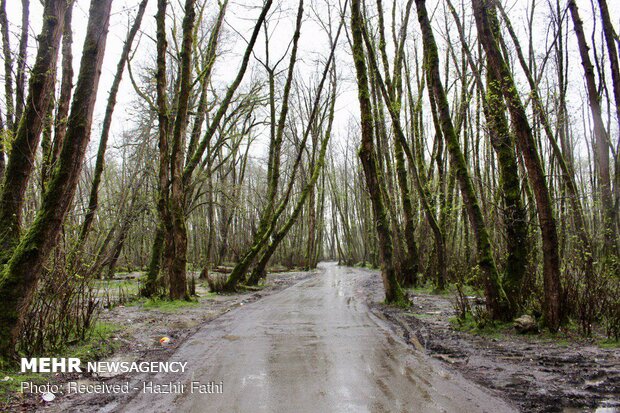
(429, 289)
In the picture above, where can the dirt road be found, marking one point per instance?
(313, 347)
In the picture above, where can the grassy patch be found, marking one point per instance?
(168, 306)
(11, 382)
(99, 344)
(128, 286)
(401, 302)
(366, 264)
(209, 295)
(488, 328)
(609, 343)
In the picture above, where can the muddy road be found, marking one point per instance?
(314, 347)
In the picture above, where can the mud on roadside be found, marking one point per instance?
(142, 328)
(535, 374)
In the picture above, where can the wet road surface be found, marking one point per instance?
(314, 347)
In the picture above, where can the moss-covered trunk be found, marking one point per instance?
(393, 292)
(515, 215)
(527, 146)
(495, 295)
(20, 275)
(152, 273)
(178, 253)
(24, 146)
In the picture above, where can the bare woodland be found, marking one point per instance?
(479, 147)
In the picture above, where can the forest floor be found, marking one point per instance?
(312, 347)
(537, 372)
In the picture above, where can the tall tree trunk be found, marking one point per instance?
(515, 215)
(195, 158)
(21, 158)
(568, 174)
(93, 201)
(527, 147)
(177, 251)
(411, 262)
(8, 67)
(2, 137)
(393, 292)
(600, 135)
(496, 298)
(66, 85)
(164, 154)
(19, 277)
(611, 39)
(20, 77)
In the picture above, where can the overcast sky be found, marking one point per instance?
(240, 16)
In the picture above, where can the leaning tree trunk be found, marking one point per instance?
(19, 277)
(260, 269)
(266, 221)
